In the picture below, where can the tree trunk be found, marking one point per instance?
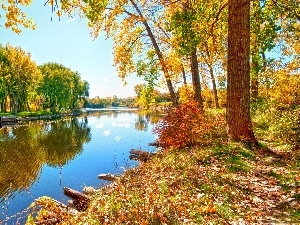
(158, 53)
(254, 83)
(255, 52)
(16, 103)
(209, 62)
(215, 91)
(239, 127)
(196, 78)
(183, 76)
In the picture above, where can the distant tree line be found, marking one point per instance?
(24, 86)
(114, 101)
(140, 100)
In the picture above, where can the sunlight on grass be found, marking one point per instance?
(180, 187)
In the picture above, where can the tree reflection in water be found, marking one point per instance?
(144, 119)
(24, 150)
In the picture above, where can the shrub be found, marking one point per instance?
(282, 127)
(186, 125)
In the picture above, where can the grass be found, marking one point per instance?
(215, 185)
(37, 113)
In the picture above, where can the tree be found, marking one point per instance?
(264, 30)
(21, 77)
(199, 33)
(15, 16)
(132, 27)
(239, 127)
(61, 87)
(4, 64)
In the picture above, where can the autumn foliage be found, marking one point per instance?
(186, 125)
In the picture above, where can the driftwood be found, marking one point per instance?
(156, 144)
(89, 190)
(8, 124)
(8, 119)
(80, 201)
(140, 155)
(108, 176)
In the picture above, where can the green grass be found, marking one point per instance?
(38, 113)
(21, 114)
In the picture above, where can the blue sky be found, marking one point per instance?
(68, 42)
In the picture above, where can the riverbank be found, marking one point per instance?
(25, 117)
(220, 184)
(40, 115)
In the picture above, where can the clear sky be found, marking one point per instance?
(69, 43)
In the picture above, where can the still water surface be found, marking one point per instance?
(41, 157)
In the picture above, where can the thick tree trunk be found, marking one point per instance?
(196, 78)
(158, 53)
(239, 127)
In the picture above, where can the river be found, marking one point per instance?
(39, 158)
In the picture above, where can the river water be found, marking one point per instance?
(39, 158)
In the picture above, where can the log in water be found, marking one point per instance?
(80, 201)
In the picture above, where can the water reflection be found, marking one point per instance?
(142, 123)
(40, 157)
(24, 149)
(64, 140)
(144, 120)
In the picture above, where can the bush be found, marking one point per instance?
(281, 127)
(186, 125)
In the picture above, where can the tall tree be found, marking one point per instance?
(131, 26)
(158, 52)
(4, 65)
(239, 127)
(183, 20)
(61, 87)
(21, 77)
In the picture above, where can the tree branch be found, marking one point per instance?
(288, 9)
(217, 16)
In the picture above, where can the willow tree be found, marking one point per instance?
(21, 77)
(61, 87)
(181, 17)
(4, 64)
